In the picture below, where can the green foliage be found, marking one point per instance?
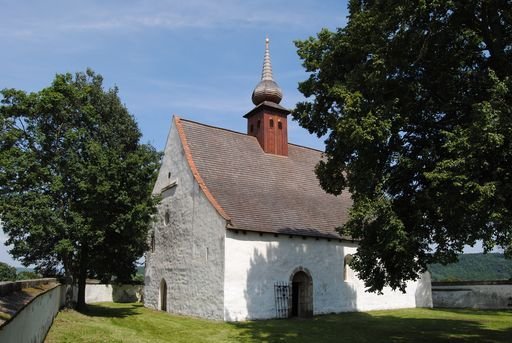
(75, 183)
(7, 273)
(27, 275)
(137, 279)
(474, 267)
(415, 98)
(116, 322)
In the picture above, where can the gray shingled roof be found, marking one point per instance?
(264, 192)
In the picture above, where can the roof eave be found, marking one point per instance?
(297, 234)
(270, 105)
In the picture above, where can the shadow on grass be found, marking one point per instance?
(97, 310)
(363, 327)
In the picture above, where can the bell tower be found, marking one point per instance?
(268, 120)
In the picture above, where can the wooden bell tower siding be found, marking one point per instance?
(268, 123)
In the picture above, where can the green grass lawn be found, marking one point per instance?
(109, 322)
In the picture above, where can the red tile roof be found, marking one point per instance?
(261, 192)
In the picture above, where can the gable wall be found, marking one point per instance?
(254, 263)
(189, 250)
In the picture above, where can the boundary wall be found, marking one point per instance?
(31, 322)
(473, 294)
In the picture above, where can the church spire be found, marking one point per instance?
(267, 121)
(267, 89)
(267, 65)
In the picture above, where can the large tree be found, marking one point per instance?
(415, 99)
(75, 183)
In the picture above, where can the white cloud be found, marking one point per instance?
(63, 16)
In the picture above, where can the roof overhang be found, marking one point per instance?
(268, 105)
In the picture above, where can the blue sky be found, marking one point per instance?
(198, 59)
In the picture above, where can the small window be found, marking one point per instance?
(348, 272)
(169, 175)
(279, 125)
(252, 128)
(258, 124)
(167, 218)
(271, 122)
(207, 253)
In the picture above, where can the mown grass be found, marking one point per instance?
(109, 322)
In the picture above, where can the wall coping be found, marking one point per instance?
(7, 287)
(471, 283)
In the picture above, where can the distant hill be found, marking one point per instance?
(474, 267)
(23, 269)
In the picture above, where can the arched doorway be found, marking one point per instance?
(163, 295)
(302, 294)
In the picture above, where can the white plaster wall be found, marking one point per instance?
(473, 296)
(255, 262)
(32, 323)
(189, 251)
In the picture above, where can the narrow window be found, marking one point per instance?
(279, 125)
(259, 124)
(163, 296)
(169, 175)
(252, 128)
(271, 122)
(348, 273)
(153, 241)
(207, 253)
(167, 218)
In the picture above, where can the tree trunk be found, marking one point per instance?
(68, 283)
(82, 277)
(80, 304)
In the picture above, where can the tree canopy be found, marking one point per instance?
(7, 272)
(415, 99)
(75, 183)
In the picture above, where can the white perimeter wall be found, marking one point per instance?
(254, 263)
(486, 296)
(33, 322)
(111, 293)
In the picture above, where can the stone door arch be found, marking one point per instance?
(302, 293)
(163, 296)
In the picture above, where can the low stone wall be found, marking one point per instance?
(31, 322)
(473, 294)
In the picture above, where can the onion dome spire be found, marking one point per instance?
(267, 89)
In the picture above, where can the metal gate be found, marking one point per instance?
(282, 295)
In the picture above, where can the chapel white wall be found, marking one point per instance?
(189, 250)
(254, 263)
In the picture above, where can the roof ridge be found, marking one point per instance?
(241, 133)
(215, 127)
(195, 171)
